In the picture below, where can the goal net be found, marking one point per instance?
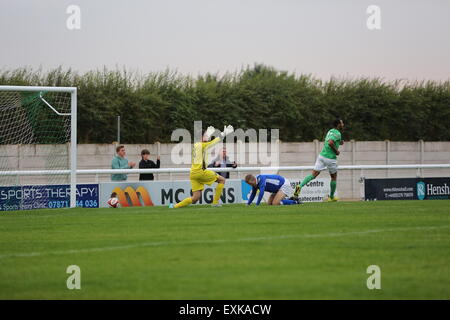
(37, 147)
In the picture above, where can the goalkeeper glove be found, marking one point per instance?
(209, 131)
(226, 130)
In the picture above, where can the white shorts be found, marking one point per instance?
(287, 188)
(323, 163)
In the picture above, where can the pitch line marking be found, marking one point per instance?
(166, 243)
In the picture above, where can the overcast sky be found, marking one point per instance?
(322, 37)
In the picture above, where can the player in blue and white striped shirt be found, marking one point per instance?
(279, 186)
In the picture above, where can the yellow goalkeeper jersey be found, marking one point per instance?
(199, 154)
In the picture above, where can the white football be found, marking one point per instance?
(113, 203)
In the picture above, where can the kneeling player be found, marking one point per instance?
(199, 175)
(279, 186)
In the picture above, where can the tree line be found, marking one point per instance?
(303, 107)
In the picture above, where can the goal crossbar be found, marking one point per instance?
(35, 89)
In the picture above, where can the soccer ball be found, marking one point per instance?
(113, 203)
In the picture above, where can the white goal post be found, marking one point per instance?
(23, 109)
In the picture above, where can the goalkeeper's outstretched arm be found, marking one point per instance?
(210, 130)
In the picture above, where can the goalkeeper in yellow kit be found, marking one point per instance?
(199, 175)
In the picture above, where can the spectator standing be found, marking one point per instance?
(120, 162)
(223, 161)
(146, 163)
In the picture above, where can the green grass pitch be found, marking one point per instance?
(312, 251)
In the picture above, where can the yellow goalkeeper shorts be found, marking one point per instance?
(200, 178)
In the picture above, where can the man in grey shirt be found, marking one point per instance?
(223, 161)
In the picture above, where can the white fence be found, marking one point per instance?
(237, 170)
(370, 159)
(350, 177)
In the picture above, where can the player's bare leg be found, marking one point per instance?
(196, 195)
(270, 201)
(220, 185)
(280, 198)
(277, 198)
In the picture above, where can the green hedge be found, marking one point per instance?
(302, 107)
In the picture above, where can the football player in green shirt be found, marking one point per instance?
(327, 159)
